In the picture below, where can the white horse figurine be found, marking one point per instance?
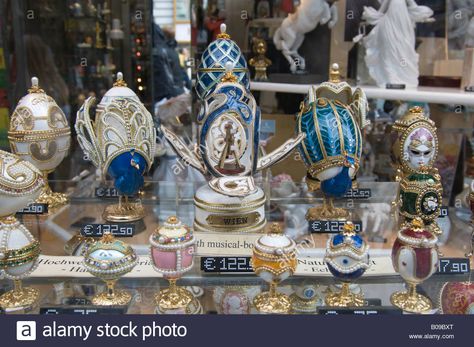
(290, 35)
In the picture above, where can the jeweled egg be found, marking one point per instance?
(347, 254)
(39, 131)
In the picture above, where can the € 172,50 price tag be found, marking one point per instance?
(226, 264)
(97, 230)
(330, 226)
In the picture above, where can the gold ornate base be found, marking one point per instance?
(117, 298)
(173, 299)
(302, 306)
(345, 298)
(124, 212)
(19, 298)
(411, 301)
(272, 303)
(53, 199)
(326, 212)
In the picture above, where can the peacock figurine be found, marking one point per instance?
(332, 117)
(121, 142)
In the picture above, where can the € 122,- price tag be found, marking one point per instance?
(226, 264)
(97, 230)
(330, 226)
(358, 193)
(453, 266)
(106, 192)
(34, 208)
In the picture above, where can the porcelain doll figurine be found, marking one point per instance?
(121, 142)
(390, 46)
(20, 184)
(289, 37)
(332, 117)
(39, 133)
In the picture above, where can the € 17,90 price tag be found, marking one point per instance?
(97, 230)
(453, 266)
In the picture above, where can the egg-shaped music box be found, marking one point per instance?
(121, 142)
(213, 61)
(347, 258)
(20, 184)
(39, 133)
(331, 117)
(273, 260)
(172, 254)
(109, 259)
(415, 258)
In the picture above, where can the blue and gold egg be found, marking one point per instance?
(213, 62)
(347, 254)
(332, 116)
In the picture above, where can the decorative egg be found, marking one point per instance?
(109, 258)
(347, 254)
(457, 298)
(122, 139)
(19, 250)
(414, 254)
(172, 248)
(274, 256)
(213, 61)
(414, 141)
(20, 183)
(332, 117)
(39, 131)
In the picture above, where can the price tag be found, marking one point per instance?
(443, 212)
(365, 311)
(97, 230)
(364, 193)
(226, 264)
(106, 192)
(83, 310)
(34, 208)
(453, 266)
(331, 226)
(395, 86)
(76, 301)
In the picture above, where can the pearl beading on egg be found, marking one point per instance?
(416, 242)
(347, 270)
(339, 251)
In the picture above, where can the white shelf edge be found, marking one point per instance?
(436, 95)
